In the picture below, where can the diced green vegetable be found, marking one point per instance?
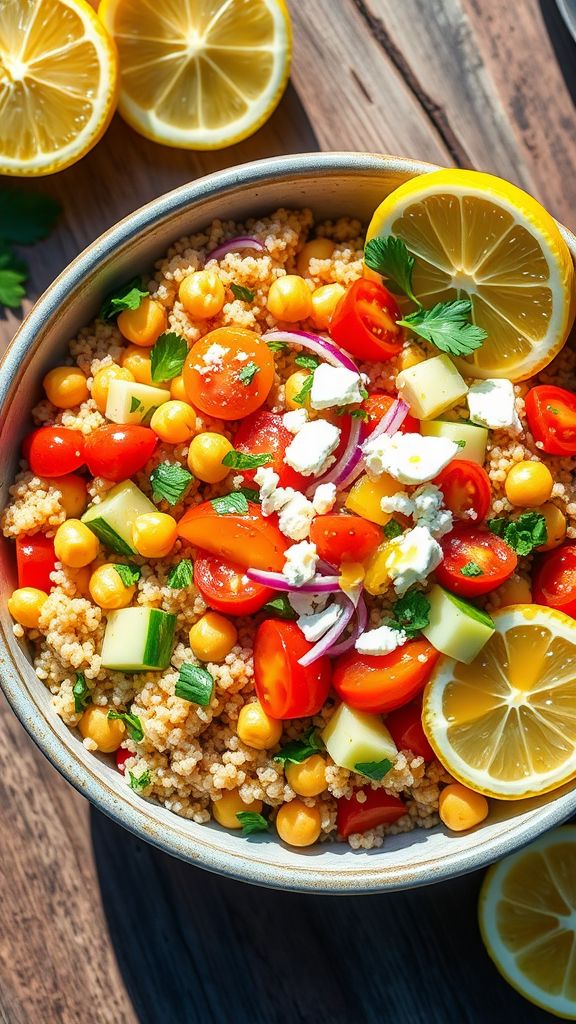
(138, 639)
(130, 402)
(113, 517)
(195, 684)
(353, 737)
(475, 438)
(456, 627)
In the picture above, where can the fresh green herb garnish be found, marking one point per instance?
(447, 326)
(277, 346)
(170, 481)
(145, 422)
(141, 781)
(167, 357)
(26, 217)
(390, 257)
(392, 529)
(523, 534)
(135, 404)
(252, 822)
(132, 723)
(305, 390)
(363, 393)
(195, 684)
(81, 693)
(127, 296)
(460, 443)
(229, 503)
(411, 613)
(129, 574)
(308, 362)
(281, 607)
(552, 409)
(471, 569)
(375, 770)
(247, 373)
(356, 414)
(13, 273)
(181, 575)
(244, 460)
(297, 751)
(250, 494)
(240, 292)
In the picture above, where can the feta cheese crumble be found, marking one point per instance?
(382, 640)
(334, 385)
(307, 604)
(295, 420)
(492, 404)
(425, 505)
(317, 625)
(324, 498)
(409, 458)
(296, 512)
(300, 565)
(411, 558)
(212, 359)
(310, 453)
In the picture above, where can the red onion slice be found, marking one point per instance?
(320, 346)
(359, 627)
(235, 245)
(348, 460)
(276, 581)
(325, 644)
(390, 423)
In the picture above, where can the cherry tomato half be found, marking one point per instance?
(405, 728)
(54, 451)
(376, 808)
(466, 489)
(228, 373)
(264, 432)
(122, 756)
(226, 588)
(377, 683)
(551, 414)
(35, 558)
(244, 538)
(343, 538)
(378, 404)
(284, 688)
(117, 451)
(473, 547)
(364, 321)
(554, 581)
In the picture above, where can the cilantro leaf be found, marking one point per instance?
(281, 607)
(132, 723)
(497, 525)
(167, 356)
(411, 613)
(26, 217)
(170, 481)
(392, 529)
(390, 257)
(375, 770)
(245, 460)
(141, 781)
(228, 503)
(181, 575)
(308, 362)
(195, 684)
(129, 574)
(239, 292)
(247, 373)
(447, 326)
(471, 569)
(296, 751)
(252, 822)
(81, 693)
(127, 296)
(523, 534)
(305, 390)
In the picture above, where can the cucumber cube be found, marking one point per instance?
(130, 402)
(431, 387)
(456, 627)
(352, 737)
(112, 518)
(138, 639)
(475, 438)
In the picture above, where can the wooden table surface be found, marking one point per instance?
(97, 928)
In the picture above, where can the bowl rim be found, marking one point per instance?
(138, 819)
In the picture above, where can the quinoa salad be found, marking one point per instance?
(282, 537)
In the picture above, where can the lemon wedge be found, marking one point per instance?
(199, 74)
(505, 725)
(476, 235)
(527, 914)
(58, 84)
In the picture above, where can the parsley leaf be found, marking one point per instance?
(245, 460)
(308, 362)
(411, 613)
(239, 292)
(252, 822)
(132, 723)
(305, 390)
(523, 534)
(471, 569)
(170, 481)
(247, 373)
(81, 693)
(392, 529)
(229, 503)
(297, 751)
(390, 257)
(447, 326)
(181, 575)
(127, 296)
(141, 781)
(167, 356)
(195, 684)
(26, 217)
(129, 574)
(277, 346)
(375, 770)
(281, 607)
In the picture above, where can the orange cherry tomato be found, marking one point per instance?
(555, 580)
(262, 433)
(244, 538)
(286, 689)
(378, 404)
(364, 321)
(228, 373)
(226, 588)
(343, 538)
(376, 808)
(405, 728)
(470, 548)
(466, 488)
(377, 683)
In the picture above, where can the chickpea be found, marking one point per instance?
(316, 249)
(75, 545)
(256, 729)
(174, 422)
(309, 777)
(74, 494)
(297, 824)
(106, 733)
(202, 294)
(528, 484)
(137, 362)
(555, 525)
(205, 457)
(102, 381)
(460, 808)
(289, 298)
(324, 302)
(107, 589)
(212, 637)
(143, 326)
(154, 534)
(177, 389)
(293, 387)
(65, 387)
(225, 809)
(25, 605)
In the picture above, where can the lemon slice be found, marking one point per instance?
(199, 74)
(58, 84)
(527, 914)
(505, 725)
(475, 235)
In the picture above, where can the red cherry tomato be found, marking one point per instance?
(226, 588)
(551, 414)
(54, 451)
(228, 373)
(377, 808)
(343, 538)
(466, 489)
(378, 404)
(263, 432)
(364, 321)
(35, 558)
(554, 582)
(377, 683)
(471, 546)
(116, 452)
(405, 727)
(122, 756)
(284, 688)
(244, 538)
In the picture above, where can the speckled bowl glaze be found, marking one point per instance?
(332, 184)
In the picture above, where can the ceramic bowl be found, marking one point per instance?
(332, 184)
